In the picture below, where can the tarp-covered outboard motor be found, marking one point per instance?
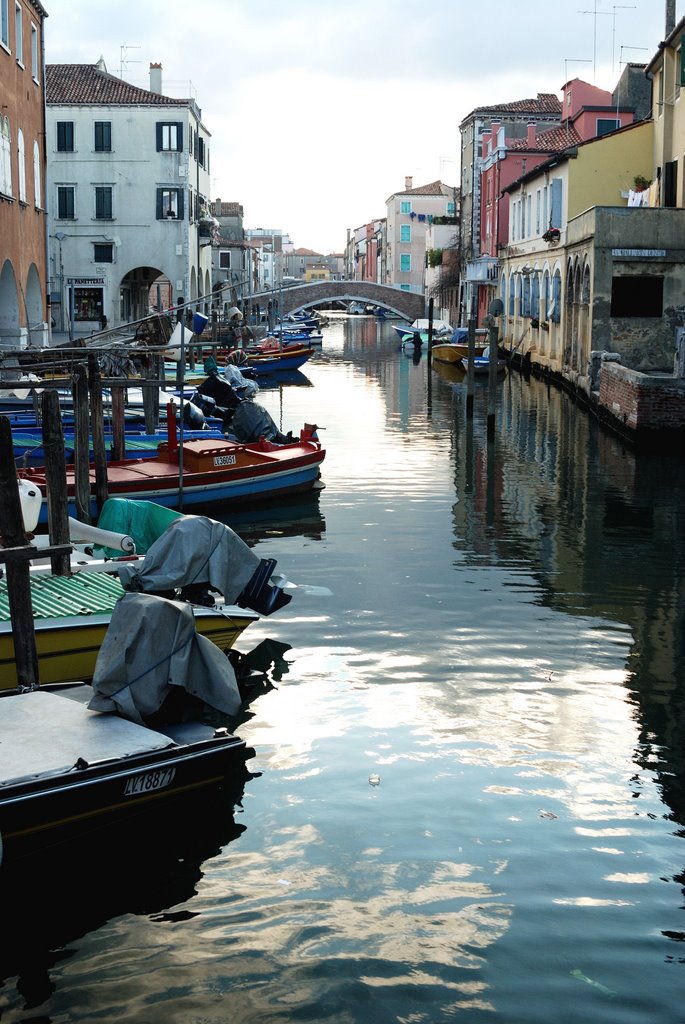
(251, 421)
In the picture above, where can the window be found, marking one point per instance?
(405, 233)
(637, 296)
(169, 204)
(405, 287)
(225, 260)
(5, 156)
(607, 124)
(103, 136)
(102, 252)
(65, 136)
(21, 159)
(37, 184)
(169, 136)
(405, 262)
(103, 202)
(34, 52)
(18, 35)
(405, 206)
(5, 23)
(65, 202)
(450, 206)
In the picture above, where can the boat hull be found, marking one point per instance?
(66, 769)
(213, 472)
(71, 617)
(453, 352)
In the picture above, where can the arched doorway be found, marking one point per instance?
(10, 332)
(139, 291)
(33, 297)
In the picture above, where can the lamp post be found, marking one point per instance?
(60, 236)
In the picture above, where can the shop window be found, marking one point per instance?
(88, 304)
(637, 296)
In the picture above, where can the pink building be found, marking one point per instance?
(587, 112)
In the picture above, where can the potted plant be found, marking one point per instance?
(552, 235)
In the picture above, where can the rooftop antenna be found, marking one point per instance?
(617, 7)
(123, 49)
(620, 62)
(594, 12)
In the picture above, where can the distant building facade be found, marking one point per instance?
(128, 181)
(408, 214)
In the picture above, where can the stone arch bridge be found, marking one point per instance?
(409, 305)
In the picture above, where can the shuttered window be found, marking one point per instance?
(170, 204)
(103, 136)
(65, 136)
(169, 136)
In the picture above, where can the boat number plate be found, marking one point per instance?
(224, 460)
(150, 781)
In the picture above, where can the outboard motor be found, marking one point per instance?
(193, 416)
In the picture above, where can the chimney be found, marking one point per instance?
(156, 78)
(670, 17)
(532, 135)
(408, 181)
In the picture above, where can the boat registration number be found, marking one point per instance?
(224, 460)
(149, 782)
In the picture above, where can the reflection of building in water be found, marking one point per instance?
(601, 527)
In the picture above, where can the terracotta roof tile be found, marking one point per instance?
(544, 103)
(551, 141)
(86, 83)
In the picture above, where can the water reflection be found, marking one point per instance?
(142, 866)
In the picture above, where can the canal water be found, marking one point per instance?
(466, 801)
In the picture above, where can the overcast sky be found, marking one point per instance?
(319, 108)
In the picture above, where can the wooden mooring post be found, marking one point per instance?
(15, 554)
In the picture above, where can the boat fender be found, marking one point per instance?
(31, 500)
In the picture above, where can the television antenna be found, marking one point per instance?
(123, 50)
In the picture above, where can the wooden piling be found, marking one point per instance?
(81, 444)
(13, 535)
(56, 480)
(470, 371)
(97, 431)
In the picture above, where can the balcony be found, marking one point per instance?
(484, 270)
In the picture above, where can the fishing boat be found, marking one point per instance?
(202, 472)
(29, 450)
(457, 348)
(417, 332)
(289, 357)
(74, 756)
(165, 553)
(481, 364)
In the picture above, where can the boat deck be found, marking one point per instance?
(44, 734)
(60, 597)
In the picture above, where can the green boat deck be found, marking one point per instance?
(58, 597)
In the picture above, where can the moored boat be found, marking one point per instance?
(201, 472)
(457, 347)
